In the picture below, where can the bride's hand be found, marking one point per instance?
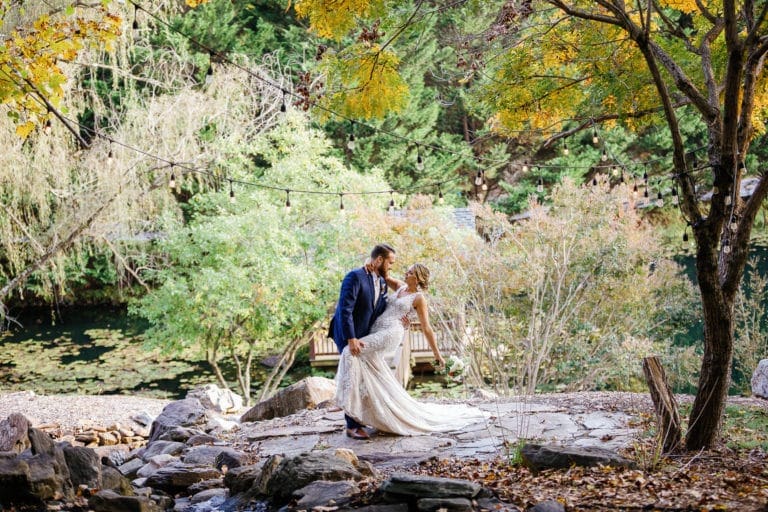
(439, 362)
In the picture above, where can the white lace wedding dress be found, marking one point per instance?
(367, 389)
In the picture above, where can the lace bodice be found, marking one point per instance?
(397, 307)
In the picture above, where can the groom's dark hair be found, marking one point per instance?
(382, 250)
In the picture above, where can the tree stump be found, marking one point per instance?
(667, 415)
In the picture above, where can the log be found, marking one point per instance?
(665, 405)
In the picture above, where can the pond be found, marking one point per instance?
(91, 350)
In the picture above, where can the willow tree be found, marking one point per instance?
(563, 66)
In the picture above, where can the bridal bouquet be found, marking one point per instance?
(453, 369)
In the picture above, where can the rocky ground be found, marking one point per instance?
(481, 453)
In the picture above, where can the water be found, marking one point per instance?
(92, 350)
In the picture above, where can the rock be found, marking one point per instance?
(130, 468)
(404, 486)
(208, 495)
(444, 505)
(45, 478)
(305, 394)
(204, 485)
(163, 448)
(217, 399)
(207, 456)
(177, 478)
(14, 482)
(143, 418)
(113, 480)
(181, 434)
(14, 434)
(229, 459)
(296, 472)
(759, 380)
(539, 457)
(84, 466)
(396, 507)
(110, 501)
(325, 494)
(155, 463)
(181, 413)
(241, 479)
(547, 506)
(40, 442)
(199, 439)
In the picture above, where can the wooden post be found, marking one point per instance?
(667, 414)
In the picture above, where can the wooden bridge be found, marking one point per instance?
(415, 349)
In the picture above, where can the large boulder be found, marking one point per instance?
(760, 380)
(181, 413)
(217, 399)
(294, 473)
(13, 434)
(84, 466)
(177, 478)
(305, 394)
(539, 457)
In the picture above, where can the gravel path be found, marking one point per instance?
(71, 412)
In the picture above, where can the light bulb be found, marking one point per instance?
(540, 186)
(484, 186)
(341, 204)
(675, 198)
(727, 200)
(634, 191)
(566, 151)
(110, 157)
(419, 163)
(287, 201)
(47, 127)
(172, 181)
(595, 138)
(525, 166)
(614, 170)
(733, 226)
(479, 178)
(209, 75)
(232, 196)
(440, 198)
(715, 191)
(604, 157)
(726, 247)
(351, 143)
(685, 236)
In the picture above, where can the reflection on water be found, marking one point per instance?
(91, 351)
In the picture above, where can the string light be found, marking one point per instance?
(440, 198)
(726, 246)
(209, 74)
(419, 161)
(525, 166)
(231, 192)
(604, 157)
(287, 201)
(566, 151)
(540, 186)
(351, 141)
(634, 191)
(391, 201)
(110, 155)
(659, 200)
(594, 181)
(172, 181)
(135, 17)
(675, 198)
(742, 167)
(727, 200)
(341, 203)
(479, 178)
(685, 234)
(283, 107)
(645, 193)
(733, 225)
(47, 127)
(595, 138)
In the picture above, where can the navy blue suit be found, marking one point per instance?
(356, 312)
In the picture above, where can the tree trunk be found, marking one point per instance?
(664, 402)
(708, 407)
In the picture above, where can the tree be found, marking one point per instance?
(568, 66)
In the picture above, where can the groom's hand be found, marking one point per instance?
(406, 322)
(354, 346)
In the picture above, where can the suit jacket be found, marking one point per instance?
(355, 311)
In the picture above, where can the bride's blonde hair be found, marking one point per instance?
(422, 275)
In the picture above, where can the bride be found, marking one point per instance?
(367, 389)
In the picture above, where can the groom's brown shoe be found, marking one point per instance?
(357, 433)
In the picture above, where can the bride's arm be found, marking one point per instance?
(420, 304)
(394, 283)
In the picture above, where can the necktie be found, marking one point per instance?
(376, 288)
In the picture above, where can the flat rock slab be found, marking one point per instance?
(540, 457)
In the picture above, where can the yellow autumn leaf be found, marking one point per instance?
(23, 130)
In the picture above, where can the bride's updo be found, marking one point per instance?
(422, 275)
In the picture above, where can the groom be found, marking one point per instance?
(362, 299)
